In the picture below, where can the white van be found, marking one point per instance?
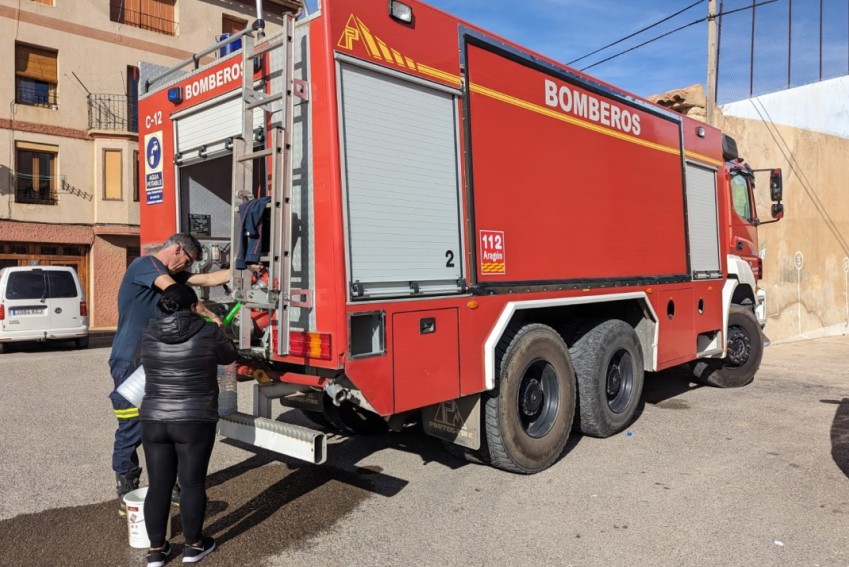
(42, 303)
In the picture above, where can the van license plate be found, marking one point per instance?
(27, 311)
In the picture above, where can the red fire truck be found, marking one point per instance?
(426, 221)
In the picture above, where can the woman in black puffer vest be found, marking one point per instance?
(180, 354)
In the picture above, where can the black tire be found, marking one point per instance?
(2, 348)
(81, 343)
(745, 350)
(528, 417)
(608, 361)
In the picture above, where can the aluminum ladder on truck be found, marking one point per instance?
(271, 99)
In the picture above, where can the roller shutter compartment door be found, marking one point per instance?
(702, 222)
(400, 169)
(211, 126)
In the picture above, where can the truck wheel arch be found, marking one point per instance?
(532, 310)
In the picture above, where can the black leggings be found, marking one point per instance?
(174, 448)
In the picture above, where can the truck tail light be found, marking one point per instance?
(83, 309)
(2, 312)
(759, 272)
(310, 345)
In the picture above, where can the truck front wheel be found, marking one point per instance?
(528, 417)
(608, 363)
(745, 349)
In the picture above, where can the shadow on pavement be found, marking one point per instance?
(662, 386)
(840, 434)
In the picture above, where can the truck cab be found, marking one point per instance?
(743, 220)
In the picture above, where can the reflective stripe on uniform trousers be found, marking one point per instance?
(128, 413)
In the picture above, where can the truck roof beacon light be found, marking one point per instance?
(401, 12)
(175, 95)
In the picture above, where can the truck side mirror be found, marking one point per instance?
(775, 185)
(777, 211)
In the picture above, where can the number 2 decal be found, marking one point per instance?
(450, 255)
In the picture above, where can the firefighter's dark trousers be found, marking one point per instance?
(125, 458)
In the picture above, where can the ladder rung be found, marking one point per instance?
(263, 99)
(266, 48)
(254, 155)
(259, 306)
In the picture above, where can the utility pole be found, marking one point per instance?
(710, 103)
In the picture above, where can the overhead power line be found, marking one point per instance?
(614, 56)
(638, 32)
(694, 22)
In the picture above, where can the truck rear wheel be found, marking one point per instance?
(528, 417)
(608, 362)
(745, 350)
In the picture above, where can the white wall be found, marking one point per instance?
(821, 107)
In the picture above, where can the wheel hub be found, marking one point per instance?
(532, 397)
(538, 399)
(739, 346)
(614, 380)
(620, 381)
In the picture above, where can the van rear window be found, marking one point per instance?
(26, 285)
(32, 285)
(61, 284)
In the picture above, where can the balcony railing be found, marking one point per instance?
(113, 112)
(36, 190)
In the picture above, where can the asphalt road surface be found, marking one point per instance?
(753, 476)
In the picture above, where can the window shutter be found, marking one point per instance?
(157, 15)
(35, 63)
(112, 164)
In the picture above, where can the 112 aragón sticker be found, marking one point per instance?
(493, 258)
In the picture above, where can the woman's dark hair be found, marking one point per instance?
(177, 297)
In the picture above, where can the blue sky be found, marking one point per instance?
(567, 29)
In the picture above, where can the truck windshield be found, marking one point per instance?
(740, 197)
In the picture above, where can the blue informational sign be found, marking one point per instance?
(154, 182)
(154, 152)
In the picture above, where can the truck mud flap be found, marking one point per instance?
(456, 421)
(284, 438)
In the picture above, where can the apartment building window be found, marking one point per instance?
(136, 176)
(112, 175)
(153, 15)
(45, 2)
(35, 173)
(232, 24)
(35, 75)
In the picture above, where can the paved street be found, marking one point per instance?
(755, 476)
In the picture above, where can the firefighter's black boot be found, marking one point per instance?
(125, 483)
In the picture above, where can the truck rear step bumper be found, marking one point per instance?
(284, 438)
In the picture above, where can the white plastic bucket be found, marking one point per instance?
(132, 389)
(135, 519)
